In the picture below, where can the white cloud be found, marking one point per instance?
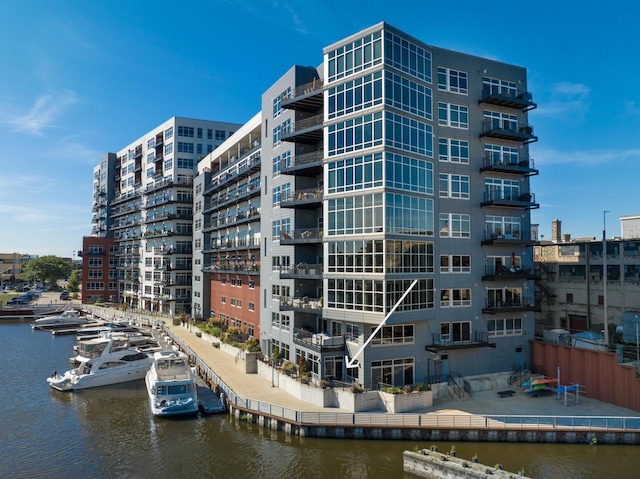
(42, 115)
(566, 99)
(584, 157)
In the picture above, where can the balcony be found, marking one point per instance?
(502, 199)
(306, 130)
(301, 271)
(516, 237)
(307, 97)
(244, 168)
(508, 130)
(302, 304)
(318, 342)
(440, 342)
(519, 99)
(304, 199)
(508, 164)
(301, 236)
(502, 272)
(305, 164)
(232, 267)
(512, 305)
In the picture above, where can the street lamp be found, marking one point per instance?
(604, 282)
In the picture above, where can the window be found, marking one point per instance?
(455, 116)
(168, 148)
(394, 372)
(356, 56)
(500, 87)
(454, 186)
(209, 134)
(282, 129)
(404, 256)
(186, 163)
(186, 131)
(455, 264)
(452, 80)
(501, 189)
(199, 132)
(453, 151)
(354, 134)
(408, 95)
(357, 173)
(409, 174)
(168, 133)
(501, 155)
(408, 134)
(500, 121)
(455, 225)
(406, 56)
(184, 147)
(221, 135)
(455, 298)
(356, 95)
(569, 297)
(398, 334)
(504, 327)
(409, 214)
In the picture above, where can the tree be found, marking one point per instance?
(47, 268)
(74, 283)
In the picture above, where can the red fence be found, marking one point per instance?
(604, 379)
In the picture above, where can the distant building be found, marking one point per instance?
(11, 265)
(99, 278)
(572, 287)
(143, 198)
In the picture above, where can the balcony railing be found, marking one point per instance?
(303, 304)
(317, 341)
(510, 200)
(307, 97)
(509, 272)
(512, 237)
(509, 164)
(508, 130)
(304, 163)
(476, 339)
(308, 198)
(523, 303)
(509, 97)
(306, 130)
(301, 271)
(303, 235)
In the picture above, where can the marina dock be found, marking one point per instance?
(485, 417)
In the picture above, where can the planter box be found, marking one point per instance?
(398, 403)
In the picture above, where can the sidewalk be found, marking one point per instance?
(259, 388)
(251, 386)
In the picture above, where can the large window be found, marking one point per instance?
(498, 154)
(355, 134)
(455, 298)
(186, 131)
(409, 174)
(455, 116)
(503, 226)
(500, 87)
(358, 256)
(452, 80)
(355, 95)
(355, 214)
(453, 151)
(420, 297)
(397, 334)
(408, 134)
(504, 327)
(501, 189)
(409, 214)
(357, 173)
(356, 294)
(408, 95)
(394, 372)
(407, 57)
(355, 56)
(457, 331)
(454, 186)
(455, 263)
(282, 129)
(501, 121)
(455, 225)
(184, 147)
(404, 256)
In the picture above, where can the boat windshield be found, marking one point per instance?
(91, 350)
(84, 368)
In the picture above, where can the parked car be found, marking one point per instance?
(64, 295)
(18, 300)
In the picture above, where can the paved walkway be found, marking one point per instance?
(485, 402)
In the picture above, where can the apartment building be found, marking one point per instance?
(226, 252)
(11, 267)
(390, 162)
(99, 278)
(143, 198)
(575, 295)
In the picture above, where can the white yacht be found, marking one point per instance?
(67, 318)
(171, 384)
(107, 360)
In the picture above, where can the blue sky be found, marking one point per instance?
(81, 78)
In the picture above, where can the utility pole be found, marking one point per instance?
(604, 280)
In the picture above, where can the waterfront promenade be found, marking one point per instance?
(484, 417)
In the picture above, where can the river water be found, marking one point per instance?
(110, 433)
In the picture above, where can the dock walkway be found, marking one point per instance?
(485, 417)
